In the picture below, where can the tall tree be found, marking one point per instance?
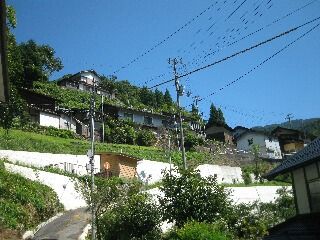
(220, 117)
(38, 61)
(167, 97)
(159, 98)
(213, 116)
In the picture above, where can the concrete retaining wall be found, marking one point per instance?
(67, 162)
(224, 174)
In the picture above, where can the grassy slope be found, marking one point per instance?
(23, 204)
(27, 141)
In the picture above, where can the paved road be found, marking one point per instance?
(69, 226)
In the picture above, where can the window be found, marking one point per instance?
(313, 180)
(128, 116)
(147, 120)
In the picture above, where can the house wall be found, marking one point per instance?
(90, 76)
(301, 193)
(64, 120)
(259, 139)
(268, 147)
(48, 119)
(273, 148)
(139, 117)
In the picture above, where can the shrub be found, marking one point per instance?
(197, 231)
(188, 196)
(146, 138)
(192, 140)
(136, 217)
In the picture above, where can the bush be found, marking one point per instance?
(146, 138)
(197, 231)
(119, 131)
(134, 218)
(188, 196)
(192, 140)
(50, 131)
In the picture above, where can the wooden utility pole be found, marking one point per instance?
(179, 89)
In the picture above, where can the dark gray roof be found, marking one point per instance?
(305, 156)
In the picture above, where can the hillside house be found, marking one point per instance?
(44, 110)
(268, 145)
(144, 118)
(304, 167)
(117, 165)
(222, 133)
(84, 81)
(290, 140)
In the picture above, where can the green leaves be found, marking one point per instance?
(187, 197)
(25, 203)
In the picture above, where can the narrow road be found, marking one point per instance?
(69, 226)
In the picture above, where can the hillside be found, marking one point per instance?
(20, 209)
(311, 126)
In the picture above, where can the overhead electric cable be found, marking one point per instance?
(165, 39)
(266, 26)
(240, 52)
(263, 62)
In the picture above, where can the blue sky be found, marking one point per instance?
(105, 35)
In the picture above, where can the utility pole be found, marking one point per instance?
(289, 117)
(91, 160)
(179, 89)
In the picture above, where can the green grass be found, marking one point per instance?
(27, 141)
(24, 203)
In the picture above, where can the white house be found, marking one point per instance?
(84, 81)
(268, 145)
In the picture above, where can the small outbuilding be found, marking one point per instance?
(304, 167)
(117, 165)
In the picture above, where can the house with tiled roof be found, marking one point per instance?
(304, 167)
(84, 81)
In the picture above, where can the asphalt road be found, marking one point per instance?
(69, 226)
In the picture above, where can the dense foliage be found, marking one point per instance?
(50, 131)
(216, 117)
(24, 203)
(127, 132)
(194, 230)
(188, 196)
(139, 98)
(122, 212)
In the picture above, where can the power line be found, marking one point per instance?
(239, 52)
(254, 32)
(236, 9)
(263, 62)
(165, 39)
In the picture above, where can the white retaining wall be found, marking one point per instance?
(62, 185)
(67, 162)
(224, 174)
(240, 194)
(151, 171)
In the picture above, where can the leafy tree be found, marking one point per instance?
(38, 62)
(188, 196)
(134, 217)
(108, 83)
(147, 97)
